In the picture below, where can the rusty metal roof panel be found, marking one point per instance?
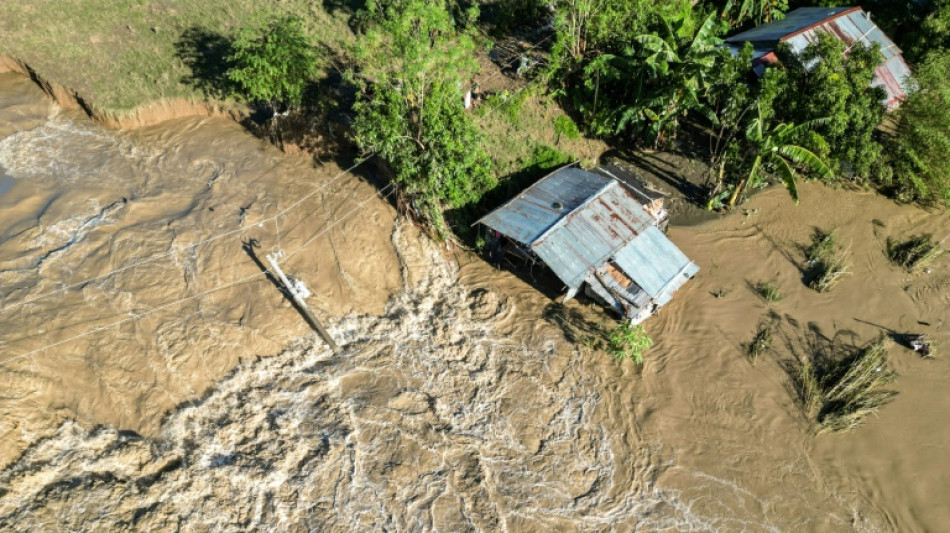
(598, 219)
(539, 207)
(850, 25)
(591, 234)
(655, 264)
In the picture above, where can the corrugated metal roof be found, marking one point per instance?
(608, 223)
(589, 235)
(794, 21)
(655, 264)
(528, 215)
(850, 25)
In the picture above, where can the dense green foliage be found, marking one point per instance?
(634, 69)
(919, 151)
(586, 28)
(411, 112)
(628, 342)
(769, 149)
(825, 82)
(274, 62)
(649, 87)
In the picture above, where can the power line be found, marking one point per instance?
(177, 249)
(136, 316)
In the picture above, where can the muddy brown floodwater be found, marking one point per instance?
(454, 404)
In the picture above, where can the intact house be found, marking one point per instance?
(851, 25)
(598, 233)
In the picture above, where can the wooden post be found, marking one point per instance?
(301, 304)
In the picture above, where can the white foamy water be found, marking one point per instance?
(427, 420)
(455, 407)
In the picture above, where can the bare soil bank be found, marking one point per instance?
(144, 115)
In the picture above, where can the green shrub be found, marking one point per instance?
(509, 105)
(628, 342)
(563, 125)
(274, 62)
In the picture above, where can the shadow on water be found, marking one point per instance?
(577, 328)
(905, 340)
(207, 54)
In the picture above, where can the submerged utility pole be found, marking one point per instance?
(298, 296)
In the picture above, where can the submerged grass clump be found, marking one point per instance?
(829, 262)
(915, 254)
(762, 342)
(840, 394)
(768, 291)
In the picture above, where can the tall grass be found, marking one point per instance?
(915, 254)
(839, 395)
(829, 262)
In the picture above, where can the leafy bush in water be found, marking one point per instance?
(769, 291)
(628, 342)
(829, 263)
(762, 342)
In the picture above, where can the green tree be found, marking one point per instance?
(410, 110)
(653, 84)
(773, 152)
(755, 11)
(919, 150)
(273, 63)
(588, 27)
(731, 99)
(831, 81)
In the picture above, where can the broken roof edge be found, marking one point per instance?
(522, 193)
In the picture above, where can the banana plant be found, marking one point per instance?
(776, 154)
(657, 80)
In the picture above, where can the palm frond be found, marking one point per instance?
(804, 157)
(788, 178)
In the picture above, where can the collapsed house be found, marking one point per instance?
(594, 232)
(851, 25)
